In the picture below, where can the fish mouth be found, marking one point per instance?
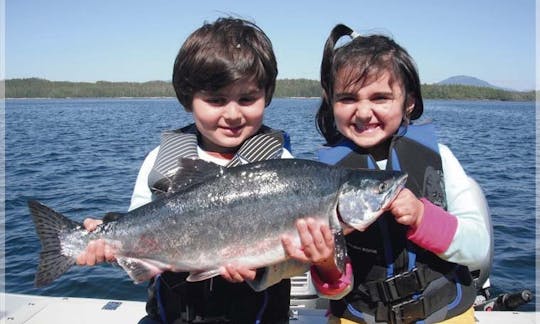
(371, 214)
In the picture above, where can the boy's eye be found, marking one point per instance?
(247, 100)
(216, 101)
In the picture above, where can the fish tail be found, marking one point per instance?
(49, 225)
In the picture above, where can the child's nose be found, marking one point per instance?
(363, 111)
(232, 111)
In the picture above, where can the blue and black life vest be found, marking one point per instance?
(171, 297)
(395, 280)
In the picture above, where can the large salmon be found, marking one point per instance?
(213, 216)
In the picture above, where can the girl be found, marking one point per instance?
(411, 264)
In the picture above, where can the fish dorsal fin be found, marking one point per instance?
(112, 216)
(193, 171)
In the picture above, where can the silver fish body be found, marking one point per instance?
(215, 216)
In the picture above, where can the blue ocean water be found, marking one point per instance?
(81, 157)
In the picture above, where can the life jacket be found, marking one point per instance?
(395, 280)
(265, 145)
(171, 297)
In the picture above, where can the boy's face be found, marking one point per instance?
(227, 117)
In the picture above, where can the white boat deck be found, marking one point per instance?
(39, 309)
(33, 309)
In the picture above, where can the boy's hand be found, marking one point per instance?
(97, 251)
(407, 209)
(90, 224)
(236, 274)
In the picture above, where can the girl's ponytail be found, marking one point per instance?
(337, 32)
(325, 116)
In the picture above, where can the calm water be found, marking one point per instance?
(82, 156)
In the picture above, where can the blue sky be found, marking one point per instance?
(135, 40)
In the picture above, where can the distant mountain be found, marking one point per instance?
(468, 81)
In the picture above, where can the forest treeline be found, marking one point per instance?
(41, 88)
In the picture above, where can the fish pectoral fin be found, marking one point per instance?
(199, 276)
(141, 270)
(340, 250)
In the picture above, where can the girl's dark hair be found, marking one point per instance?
(362, 57)
(220, 53)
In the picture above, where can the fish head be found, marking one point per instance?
(366, 194)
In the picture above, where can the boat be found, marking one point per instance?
(33, 309)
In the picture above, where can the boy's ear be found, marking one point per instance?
(409, 105)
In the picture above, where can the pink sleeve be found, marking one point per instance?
(437, 229)
(337, 288)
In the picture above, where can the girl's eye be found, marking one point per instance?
(381, 99)
(346, 100)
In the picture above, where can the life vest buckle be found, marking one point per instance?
(402, 285)
(408, 311)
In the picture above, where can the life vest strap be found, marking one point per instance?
(416, 307)
(398, 287)
(407, 312)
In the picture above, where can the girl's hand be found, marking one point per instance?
(407, 209)
(235, 274)
(317, 248)
(97, 251)
(316, 239)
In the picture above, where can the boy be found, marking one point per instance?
(225, 75)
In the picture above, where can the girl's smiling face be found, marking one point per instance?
(369, 112)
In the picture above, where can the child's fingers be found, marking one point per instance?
(303, 232)
(90, 224)
(328, 236)
(246, 274)
(109, 253)
(81, 259)
(232, 273)
(225, 273)
(100, 251)
(315, 231)
(293, 251)
(321, 235)
(91, 253)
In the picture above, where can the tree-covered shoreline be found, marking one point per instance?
(285, 88)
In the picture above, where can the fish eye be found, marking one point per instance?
(382, 187)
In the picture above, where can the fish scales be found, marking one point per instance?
(284, 193)
(235, 215)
